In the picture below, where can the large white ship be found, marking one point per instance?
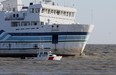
(24, 30)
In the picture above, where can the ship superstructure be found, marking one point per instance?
(43, 25)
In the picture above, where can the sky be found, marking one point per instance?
(101, 13)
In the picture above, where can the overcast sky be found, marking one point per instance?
(104, 18)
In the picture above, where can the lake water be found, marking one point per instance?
(98, 60)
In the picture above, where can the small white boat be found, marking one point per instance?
(47, 55)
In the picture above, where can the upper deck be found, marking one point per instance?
(45, 13)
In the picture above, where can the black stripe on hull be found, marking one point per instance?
(49, 33)
(23, 56)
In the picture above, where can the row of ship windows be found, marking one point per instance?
(34, 10)
(58, 12)
(33, 23)
(51, 11)
(26, 28)
(17, 15)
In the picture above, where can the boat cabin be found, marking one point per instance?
(47, 55)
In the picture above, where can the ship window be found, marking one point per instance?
(31, 10)
(15, 24)
(25, 23)
(52, 11)
(69, 13)
(43, 10)
(58, 12)
(42, 23)
(46, 23)
(17, 15)
(17, 29)
(65, 13)
(13, 15)
(24, 14)
(61, 12)
(72, 14)
(48, 11)
(37, 10)
(13, 9)
(34, 23)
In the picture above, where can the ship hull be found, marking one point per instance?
(60, 39)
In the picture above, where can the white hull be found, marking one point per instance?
(72, 41)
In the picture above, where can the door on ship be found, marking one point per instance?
(55, 41)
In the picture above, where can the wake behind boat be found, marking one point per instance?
(24, 29)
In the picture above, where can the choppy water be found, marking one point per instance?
(98, 60)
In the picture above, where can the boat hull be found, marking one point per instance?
(61, 39)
